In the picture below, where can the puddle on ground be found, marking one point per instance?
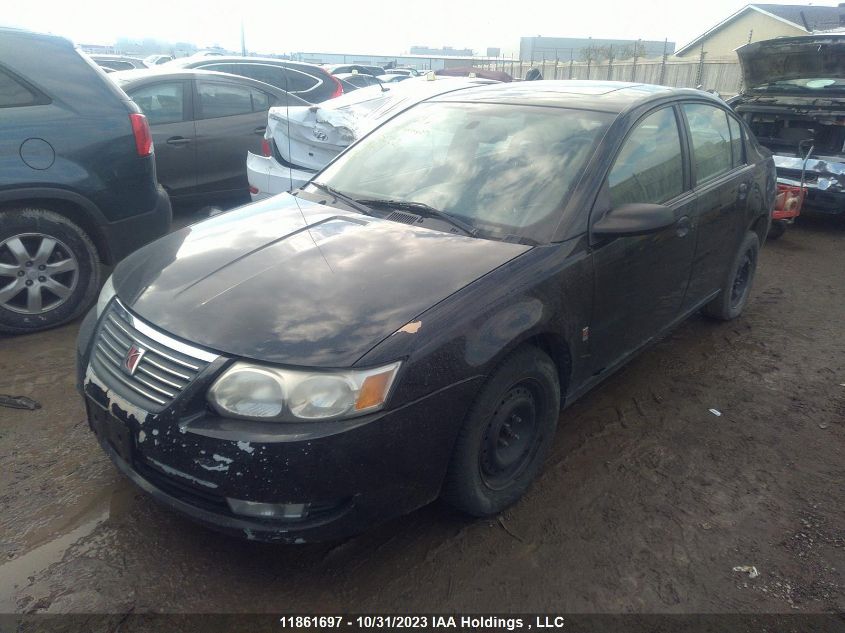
(15, 574)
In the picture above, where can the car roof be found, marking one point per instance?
(162, 71)
(112, 56)
(220, 59)
(604, 96)
(18, 32)
(142, 75)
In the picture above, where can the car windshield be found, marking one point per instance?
(505, 170)
(816, 84)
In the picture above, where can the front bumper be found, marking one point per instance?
(266, 175)
(353, 474)
(823, 179)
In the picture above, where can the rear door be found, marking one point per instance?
(231, 118)
(721, 180)
(168, 108)
(641, 280)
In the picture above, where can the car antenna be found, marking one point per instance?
(290, 173)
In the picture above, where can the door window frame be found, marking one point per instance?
(601, 204)
(197, 109)
(187, 99)
(696, 185)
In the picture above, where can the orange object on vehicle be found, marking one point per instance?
(788, 202)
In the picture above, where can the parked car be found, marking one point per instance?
(353, 81)
(794, 102)
(77, 180)
(408, 72)
(307, 81)
(410, 324)
(470, 71)
(119, 62)
(154, 60)
(338, 69)
(392, 78)
(203, 124)
(301, 141)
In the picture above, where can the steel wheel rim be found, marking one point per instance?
(510, 439)
(38, 273)
(742, 279)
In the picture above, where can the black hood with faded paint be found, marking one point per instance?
(782, 59)
(293, 282)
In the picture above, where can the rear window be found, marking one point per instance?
(13, 93)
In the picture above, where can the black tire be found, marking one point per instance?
(776, 230)
(737, 287)
(77, 288)
(518, 405)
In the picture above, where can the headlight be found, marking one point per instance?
(259, 392)
(106, 295)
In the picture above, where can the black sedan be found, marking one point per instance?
(203, 124)
(410, 323)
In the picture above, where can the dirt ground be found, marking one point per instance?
(646, 504)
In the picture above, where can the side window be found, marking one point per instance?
(299, 81)
(15, 94)
(266, 73)
(711, 140)
(220, 99)
(161, 103)
(649, 167)
(261, 101)
(233, 69)
(737, 146)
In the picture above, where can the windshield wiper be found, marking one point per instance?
(352, 202)
(423, 209)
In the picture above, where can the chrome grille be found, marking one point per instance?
(166, 365)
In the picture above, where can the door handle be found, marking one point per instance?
(260, 130)
(178, 140)
(682, 226)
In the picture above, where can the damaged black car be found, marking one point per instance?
(409, 324)
(794, 102)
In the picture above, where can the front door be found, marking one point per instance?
(640, 281)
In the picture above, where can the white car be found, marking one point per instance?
(301, 140)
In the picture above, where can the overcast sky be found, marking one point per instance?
(366, 26)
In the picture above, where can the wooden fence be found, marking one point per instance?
(724, 77)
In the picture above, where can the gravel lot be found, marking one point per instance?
(646, 504)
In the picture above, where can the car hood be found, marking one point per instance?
(792, 58)
(294, 282)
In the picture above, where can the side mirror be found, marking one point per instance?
(640, 218)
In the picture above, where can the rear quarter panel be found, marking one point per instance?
(86, 123)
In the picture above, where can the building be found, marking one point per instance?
(756, 22)
(537, 49)
(419, 62)
(446, 51)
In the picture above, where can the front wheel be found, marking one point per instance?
(737, 286)
(49, 270)
(506, 435)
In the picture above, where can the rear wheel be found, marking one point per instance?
(737, 287)
(49, 272)
(506, 435)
